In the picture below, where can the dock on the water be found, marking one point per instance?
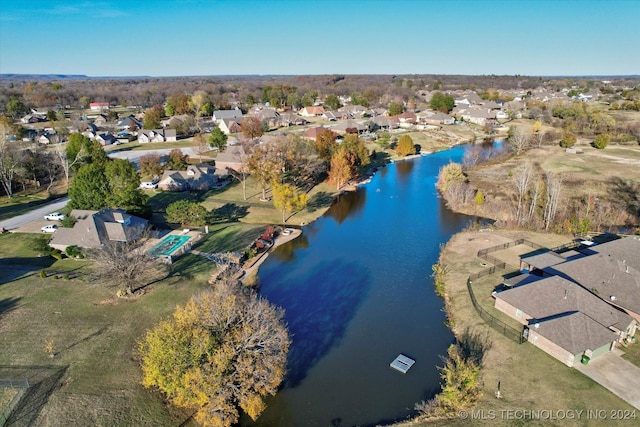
(402, 363)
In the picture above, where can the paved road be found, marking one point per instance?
(134, 156)
(35, 215)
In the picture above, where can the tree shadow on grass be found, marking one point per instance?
(229, 212)
(8, 304)
(319, 303)
(16, 268)
(320, 200)
(43, 381)
(474, 345)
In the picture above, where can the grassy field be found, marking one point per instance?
(93, 377)
(529, 378)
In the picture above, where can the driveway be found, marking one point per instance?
(31, 222)
(615, 374)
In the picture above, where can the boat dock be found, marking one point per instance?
(402, 363)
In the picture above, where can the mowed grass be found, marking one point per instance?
(94, 335)
(529, 378)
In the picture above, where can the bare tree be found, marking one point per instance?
(554, 185)
(66, 163)
(126, 264)
(522, 180)
(9, 161)
(519, 139)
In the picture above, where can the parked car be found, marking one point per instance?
(149, 185)
(55, 216)
(51, 228)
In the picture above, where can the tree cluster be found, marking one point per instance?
(225, 349)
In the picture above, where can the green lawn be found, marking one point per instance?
(93, 378)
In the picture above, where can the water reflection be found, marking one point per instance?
(347, 204)
(325, 300)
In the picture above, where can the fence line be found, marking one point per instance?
(22, 385)
(497, 324)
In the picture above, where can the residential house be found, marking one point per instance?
(468, 98)
(94, 229)
(330, 116)
(229, 126)
(384, 122)
(99, 106)
(220, 115)
(100, 120)
(290, 119)
(129, 123)
(175, 121)
(437, 119)
(564, 319)
(312, 111)
(610, 270)
(312, 133)
(353, 110)
(195, 177)
(33, 118)
(346, 126)
(234, 157)
(106, 139)
(157, 135)
(406, 119)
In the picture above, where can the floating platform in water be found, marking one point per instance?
(402, 363)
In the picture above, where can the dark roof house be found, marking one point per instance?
(93, 229)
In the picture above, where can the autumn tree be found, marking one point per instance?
(265, 164)
(405, 146)
(226, 348)
(200, 145)
(354, 144)
(568, 140)
(395, 108)
(288, 199)
(177, 160)
(441, 102)
(150, 165)
(602, 141)
(251, 127)
(186, 212)
(326, 144)
(343, 166)
(332, 102)
(152, 117)
(450, 175)
(217, 139)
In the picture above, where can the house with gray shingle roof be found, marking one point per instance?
(564, 319)
(93, 229)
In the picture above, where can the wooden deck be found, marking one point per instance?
(402, 363)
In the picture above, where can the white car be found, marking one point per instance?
(55, 216)
(149, 185)
(51, 228)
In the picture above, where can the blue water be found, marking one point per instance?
(357, 291)
(167, 245)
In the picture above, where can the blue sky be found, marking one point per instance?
(197, 37)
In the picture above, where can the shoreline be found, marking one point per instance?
(279, 240)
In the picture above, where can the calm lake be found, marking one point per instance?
(357, 292)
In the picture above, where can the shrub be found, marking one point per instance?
(601, 141)
(479, 198)
(72, 252)
(56, 254)
(568, 140)
(43, 274)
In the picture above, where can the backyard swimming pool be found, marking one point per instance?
(168, 245)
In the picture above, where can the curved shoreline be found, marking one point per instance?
(279, 240)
